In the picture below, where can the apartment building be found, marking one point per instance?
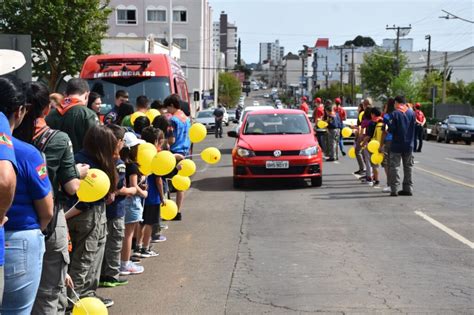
(225, 40)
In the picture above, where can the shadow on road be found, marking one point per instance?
(214, 184)
(226, 184)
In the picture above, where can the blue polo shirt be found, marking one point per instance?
(402, 128)
(181, 124)
(32, 184)
(153, 192)
(116, 209)
(6, 154)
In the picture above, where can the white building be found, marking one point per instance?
(271, 52)
(225, 40)
(191, 31)
(292, 70)
(405, 44)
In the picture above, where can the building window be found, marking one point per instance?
(180, 15)
(156, 15)
(182, 42)
(126, 16)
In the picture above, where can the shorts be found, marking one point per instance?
(386, 153)
(133, 209)
(151, 214)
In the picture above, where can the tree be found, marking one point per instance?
(361, 41)
(229, 89)
(243, 68)
(63, 33)
(378, 74)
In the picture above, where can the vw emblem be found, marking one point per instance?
(277, 153)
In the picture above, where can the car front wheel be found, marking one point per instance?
(446, 138)
(317, 181)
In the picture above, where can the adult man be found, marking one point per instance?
(218, 117)
(121, 96)
(402, 128)
(7, 184)
(72, 116)
(304, 106)
(181, 124)
(420, 122)
(342, 116)
(142, 104)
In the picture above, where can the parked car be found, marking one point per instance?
(266, 95)
(206, 118)
(456, 128)
(256, 103)
(276, 143)
(231, 114)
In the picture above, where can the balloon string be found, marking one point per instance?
(186, 156)
(78, 303)
(73, 205)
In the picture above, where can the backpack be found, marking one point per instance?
(41, 143)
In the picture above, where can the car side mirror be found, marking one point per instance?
(232, 134)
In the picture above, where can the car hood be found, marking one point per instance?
(463, 126)
(205, 120)
(276, 142)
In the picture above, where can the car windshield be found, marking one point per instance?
(155, 88)
(204, 114)
(461, 120)
(352, 114)
(276, 124)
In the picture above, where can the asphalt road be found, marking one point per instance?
(284, 247)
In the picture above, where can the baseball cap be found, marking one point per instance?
(417, 105)
(337, 100)
(317, 99)
(131, 140)
(304, 98)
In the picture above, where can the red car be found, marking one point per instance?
(276, 143)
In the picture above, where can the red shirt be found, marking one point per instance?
(319, 112)
(304, 107)
(420, 117)
(342, 113)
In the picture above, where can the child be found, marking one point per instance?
(364, 127)
(87, 222)
(139, 124)
(115, 211)
(375, 132)
(133, 204)
(156, 197)
(334, 124)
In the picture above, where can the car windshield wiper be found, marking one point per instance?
(253, 133)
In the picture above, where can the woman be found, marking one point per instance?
(29, 215)
(87, 222)
(94, 102)
(62, 172)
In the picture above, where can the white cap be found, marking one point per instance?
(131, 140)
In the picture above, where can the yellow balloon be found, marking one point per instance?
(322, 124)
(145, 154)
(197, 133)
(376, 158)
(352, 153)
(181, 183)
(169, 210)
(211, 155)
(89, 306)
(94, 187)
(152, 114)
(163, 163)
(188, 168)
(346, 132)
(135, 116)
(373, 146)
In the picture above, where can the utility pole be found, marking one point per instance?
(445, 77)
(170, 23)
(397, 45)
(327, 73)
(428, 67)
(352, 76)
(341, 86)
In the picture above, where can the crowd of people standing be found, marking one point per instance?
(53, 247)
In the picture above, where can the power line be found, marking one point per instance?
(452, 16)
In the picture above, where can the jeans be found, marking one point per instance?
(218, 128)
(333, 140)
(418, 138)
(23, 263)
(395, 160)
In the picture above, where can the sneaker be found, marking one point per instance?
(164, 226)
(110, 282)
(376, 182)
(131, 269)
(107, 302)
(158, 239)
(370, 183)
(359, 172)
(343, 153)
(177, 217)
(136, 252)
(386, 189)
(146, 253)
(405, 193)
(330, 160)
(393, 194)
(135, 259)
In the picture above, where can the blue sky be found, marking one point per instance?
(298, 22)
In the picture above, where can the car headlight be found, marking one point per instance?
(309, 151)
(451, 128)
(242, 152)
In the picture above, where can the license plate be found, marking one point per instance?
(466, 135)
(277, 164)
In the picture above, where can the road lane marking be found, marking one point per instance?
(445, 177)
(445, 229)
(462, 162)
